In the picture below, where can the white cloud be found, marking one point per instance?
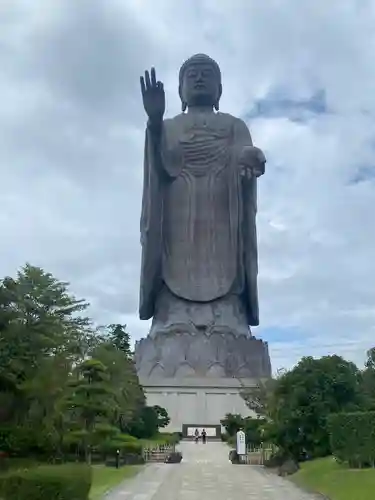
(71, 145)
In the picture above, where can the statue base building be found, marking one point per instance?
(198, 379)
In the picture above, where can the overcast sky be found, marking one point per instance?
(302, 74)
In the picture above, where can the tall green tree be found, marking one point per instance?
(39, 319)
(120, 338)
(370, 361)
(303, 398)
(91, 405)
(232, 423)
(368, 380)
(257, 398)
(163, 418)
(59, 377)
(43, 334)
(123, 378)
(145, 423)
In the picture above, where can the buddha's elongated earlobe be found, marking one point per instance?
(183, 102)
(216, 103)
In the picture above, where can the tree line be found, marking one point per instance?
(320, 407)
(66, 386)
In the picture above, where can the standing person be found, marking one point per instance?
(196, 434)
(204, 436)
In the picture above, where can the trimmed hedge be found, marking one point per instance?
(232, 441)
(126, 438)
(126, 447)
(25, 441)
(171, 438)
(352, 437)
(123, 442)
(58, 482)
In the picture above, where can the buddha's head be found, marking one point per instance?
(200, 82)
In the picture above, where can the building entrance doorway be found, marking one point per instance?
(213, 432)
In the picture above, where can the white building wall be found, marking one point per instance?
(188, 404)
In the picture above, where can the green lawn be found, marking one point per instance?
(336, 481)
(105, 478)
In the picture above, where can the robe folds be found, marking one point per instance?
(198, 222)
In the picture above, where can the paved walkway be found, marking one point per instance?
(206, 473)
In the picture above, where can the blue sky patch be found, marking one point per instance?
(362, 174)
(280, 334)
(276, 104)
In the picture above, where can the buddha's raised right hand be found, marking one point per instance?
(153, 96)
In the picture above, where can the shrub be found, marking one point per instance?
(232, 441)
(58, 482)
(232, 423)
(4, 460)
(253, 429)
(125, 447)
(126, 438)
(25, 441)
(130, 448)
(352, 438)
(170, 438)
(180, 436)
(160, 441)
(123, 442)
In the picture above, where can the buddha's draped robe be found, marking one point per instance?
(198, 229)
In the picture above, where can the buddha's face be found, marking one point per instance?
(200, 85)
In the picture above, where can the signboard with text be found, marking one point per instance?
(241, 443)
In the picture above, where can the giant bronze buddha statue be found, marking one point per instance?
(198, 229)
